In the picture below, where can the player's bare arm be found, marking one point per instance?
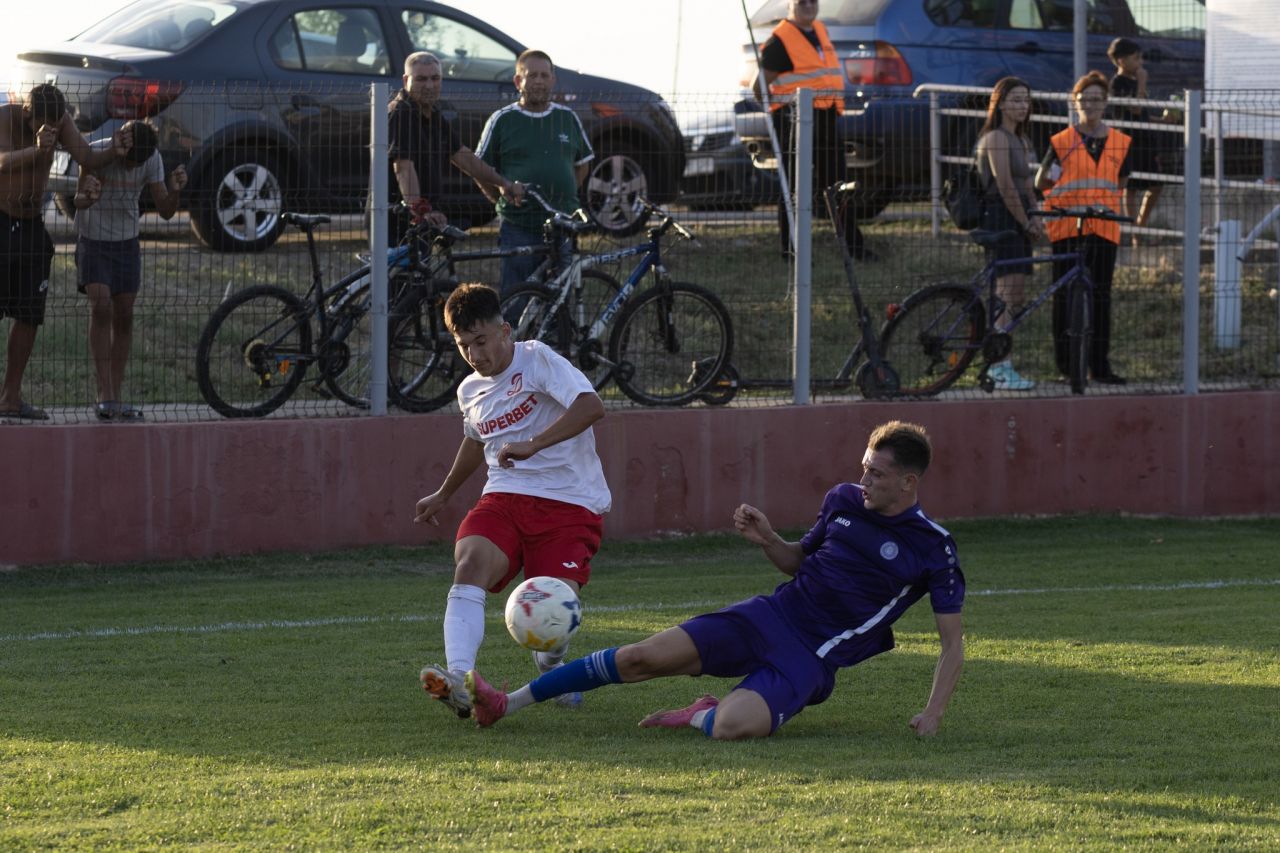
(584, 411)
(470, 456)
(14, 156)
(755, 527)
(74, 144)
(945, 676)
(165, 194)
(88, 190)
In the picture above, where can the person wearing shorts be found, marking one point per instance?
(870, 556)
(108, 257)
(30, 132)
(527, 415)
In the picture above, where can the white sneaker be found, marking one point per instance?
(1008, 379)
(564, 700)
(447, 687)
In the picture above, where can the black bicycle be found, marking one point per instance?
(936, 333)
(258, 345)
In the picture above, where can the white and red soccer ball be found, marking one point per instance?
(543, 613)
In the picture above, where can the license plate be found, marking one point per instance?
(699, 166)
(61, 163)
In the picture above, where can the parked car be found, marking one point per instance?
(718, 172)
(266, 102)
(889, 47)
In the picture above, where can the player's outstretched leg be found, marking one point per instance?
(547, 661)
(448, 687)
(487, 702)
(694, 715)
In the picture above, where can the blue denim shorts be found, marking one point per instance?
(115, 263)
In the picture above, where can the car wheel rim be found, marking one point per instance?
(248, 203)
(614, 191)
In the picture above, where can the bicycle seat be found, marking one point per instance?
(987, 239)
(305, 220)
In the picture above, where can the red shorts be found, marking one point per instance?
(543, 537)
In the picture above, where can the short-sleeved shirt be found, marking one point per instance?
(429, 141)
(861, 571)
(537, 148)
(520, 403)
(115, 214)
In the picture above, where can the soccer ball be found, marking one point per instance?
(543, 613)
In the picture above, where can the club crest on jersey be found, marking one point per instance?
(517, 383)
(889, 550)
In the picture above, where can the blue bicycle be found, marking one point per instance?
(935, 334)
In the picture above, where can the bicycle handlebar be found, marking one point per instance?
(1094, 212)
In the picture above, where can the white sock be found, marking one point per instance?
(548, 661)
(463, 626)
(518, 699)
(696, 720)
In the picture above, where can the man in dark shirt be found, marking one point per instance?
(423, 143)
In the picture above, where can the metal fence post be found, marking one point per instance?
(378, 207)
(1191, 248)
(1080, 38)
(802, 238)
(935, 164)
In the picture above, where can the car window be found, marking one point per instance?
(1105, 17)
(843, 13)
(336, 41)
(464, 53)
(962, 13)
(168, 26)
(1182, 19)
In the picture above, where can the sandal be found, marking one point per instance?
(126, 412)
(26, 412)
(107, 410)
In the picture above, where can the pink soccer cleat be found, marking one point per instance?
(488, 704)
(681, 717)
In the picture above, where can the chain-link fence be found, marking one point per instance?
(309, 152)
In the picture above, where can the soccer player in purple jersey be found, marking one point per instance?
(870, 556)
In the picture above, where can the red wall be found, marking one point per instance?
(115, 492)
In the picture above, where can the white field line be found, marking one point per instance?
(287, 624)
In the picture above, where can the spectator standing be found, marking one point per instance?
(108, 256)
(799, 55)
(29, 133)
(423, 143)
(1130, 81)
(534, 141)
(1005, 159)
(1091, 163)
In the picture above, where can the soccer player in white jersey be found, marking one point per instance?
(527, 414)
(870, 556)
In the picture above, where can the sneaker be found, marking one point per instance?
(448, 687)
(488, 702)
(564, 700)
(1008, 379)
(677, 719)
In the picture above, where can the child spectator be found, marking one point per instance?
(108, 256)
(1130, 81)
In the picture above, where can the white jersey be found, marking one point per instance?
(520, 403)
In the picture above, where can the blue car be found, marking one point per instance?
(890, 47)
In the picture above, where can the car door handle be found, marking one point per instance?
(1028, 47)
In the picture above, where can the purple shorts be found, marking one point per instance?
(749, 638)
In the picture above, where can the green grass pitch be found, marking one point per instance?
(1121, 690)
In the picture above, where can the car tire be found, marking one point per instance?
(616, 188)
(237, 206)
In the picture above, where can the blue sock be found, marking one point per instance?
(595, 670)
(708, 722)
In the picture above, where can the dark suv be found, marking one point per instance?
(267, 104)
(889, 47)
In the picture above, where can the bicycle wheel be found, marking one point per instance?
(253, 352)
(933, 337)
(1078, 336)
(347, 357)
(598, 290)
(424, 368)
(670, 344)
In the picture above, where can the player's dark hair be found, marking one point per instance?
(47, 103)
(470, 305)
(144, 142)
(1122, 47)
(533, 53)
(909, 444)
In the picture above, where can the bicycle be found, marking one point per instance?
(935, 333)
(257, 345)
(669, 344)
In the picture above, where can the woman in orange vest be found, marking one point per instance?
(799, 55)
(1087, 165)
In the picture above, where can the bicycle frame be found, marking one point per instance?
(987, 278)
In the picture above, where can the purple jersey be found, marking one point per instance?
(861, 571)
